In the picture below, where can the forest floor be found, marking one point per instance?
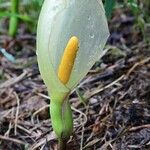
(115, 113)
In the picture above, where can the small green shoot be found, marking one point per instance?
(13, 24)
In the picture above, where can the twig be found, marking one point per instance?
(17, 112)
(12, 140)
(81, 114)
(25, 130)
(10, 124)
(106, 87)
(13, 81)
(142, 62)
(35, 113)
(42, 141)
(91, 143)
(9, 129)
(81, 143)
(43, 95)
(139, 127)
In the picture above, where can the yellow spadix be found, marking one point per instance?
(68, 59)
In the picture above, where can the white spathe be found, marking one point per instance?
(58, 22)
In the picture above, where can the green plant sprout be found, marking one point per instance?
(13, 24)
(109, 6)
(71, 35)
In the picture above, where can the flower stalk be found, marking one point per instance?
(61, 117)
(71, 35)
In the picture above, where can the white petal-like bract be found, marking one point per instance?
(59, 21)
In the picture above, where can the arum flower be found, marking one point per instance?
(71, 35)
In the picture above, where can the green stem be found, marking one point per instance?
(62, 122)
(13, 24)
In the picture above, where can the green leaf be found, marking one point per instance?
(109, 6)
(80, 96)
